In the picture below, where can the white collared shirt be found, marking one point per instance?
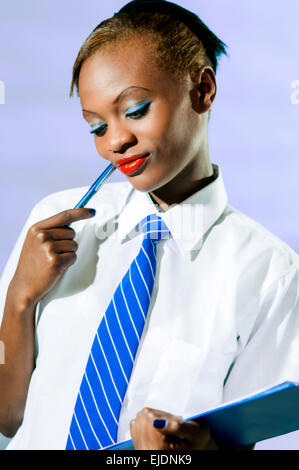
(223, 320)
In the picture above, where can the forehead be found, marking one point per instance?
(115, 67)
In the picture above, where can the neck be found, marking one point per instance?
(190, 180)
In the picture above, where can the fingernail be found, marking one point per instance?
(160, 423)
(92, 211)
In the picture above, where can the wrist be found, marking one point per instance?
(19, 301)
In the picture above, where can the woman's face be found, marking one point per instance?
(136, 109)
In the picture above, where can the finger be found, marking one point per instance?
(183, 430)
(160, 419)
(64, 246)
(65, 260)
(64, 218)
(133, 430)
(176, 443)
(152, 413)
(168, 426)
(66, 233)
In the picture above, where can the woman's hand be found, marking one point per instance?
(157, 430)
(48, 250)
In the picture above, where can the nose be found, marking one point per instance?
(119, 138)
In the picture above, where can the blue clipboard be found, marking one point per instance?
(266, 414)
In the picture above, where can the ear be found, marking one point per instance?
(204, 89)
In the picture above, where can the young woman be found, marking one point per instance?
(223, 315)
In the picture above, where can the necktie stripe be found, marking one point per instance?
(93, 401)
(86, 430)
(149, 261)
(140, 287)
(88, 419)
(155, 231)
(132, 287)
(112, 354)
(142, 278)
(108, 370)
(71, 443)
(78, 435)
(122, 331)
(152, 249)
(132, 297)
(103, 388)
(137, 298)
(129, 313)
(107, 364)
(130, 327)
(92, 406)
(126, 378)
(83, 424)
(119, 338)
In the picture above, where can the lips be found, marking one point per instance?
(124, 161)
(129, 165)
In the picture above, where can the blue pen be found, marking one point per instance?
(95, 186)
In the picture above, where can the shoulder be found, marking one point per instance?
(256, 249)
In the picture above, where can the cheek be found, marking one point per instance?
(177, 125)
(162, 128)
(152, 131)
(100, 147)
(187, 130)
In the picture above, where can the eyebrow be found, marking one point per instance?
(118, 97)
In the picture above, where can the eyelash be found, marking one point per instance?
(139, 113)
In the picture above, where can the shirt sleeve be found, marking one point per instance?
(271, 353)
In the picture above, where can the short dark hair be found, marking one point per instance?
(175, 46)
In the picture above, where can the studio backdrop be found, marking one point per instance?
(46, 147)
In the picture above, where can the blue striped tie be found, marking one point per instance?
(95, 419)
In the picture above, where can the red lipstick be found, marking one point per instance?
(131, 164)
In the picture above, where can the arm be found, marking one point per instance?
(49, 249)
(17, 334)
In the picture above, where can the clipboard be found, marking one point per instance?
(253, 418)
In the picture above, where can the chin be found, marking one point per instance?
(148, 184)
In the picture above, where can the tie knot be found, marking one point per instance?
(154, 228)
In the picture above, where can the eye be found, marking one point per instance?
(139, 111)
(136, 112)
(99, 131)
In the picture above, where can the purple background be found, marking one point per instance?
(45, 144)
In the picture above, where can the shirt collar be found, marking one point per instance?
(187, 221)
